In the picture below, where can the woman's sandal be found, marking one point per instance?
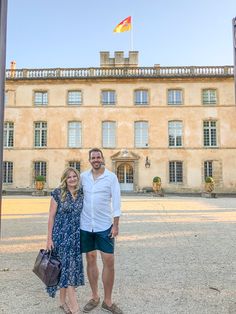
(64, 307)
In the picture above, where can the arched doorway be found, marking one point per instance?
(125, 174)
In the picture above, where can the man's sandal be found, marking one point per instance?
(91, 305)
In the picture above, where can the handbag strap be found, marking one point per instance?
(50, 253)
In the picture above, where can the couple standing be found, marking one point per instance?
(83, 220)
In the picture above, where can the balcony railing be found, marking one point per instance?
(124, 72)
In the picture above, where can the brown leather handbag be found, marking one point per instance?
(47, 267)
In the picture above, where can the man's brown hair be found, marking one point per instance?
(95, 150)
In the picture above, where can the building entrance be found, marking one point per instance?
(125, 174)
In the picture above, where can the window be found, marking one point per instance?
(141, 134)
(40, 98)
(209, 97)
(208, 169)
(74, 97)
(175, 133)
(108, 97)
(175, 97)
(141, 97)
(74, 134)
(40, 169)
(108, 134)
(7, 172)
(209, 133)
(8, 134)
(40, 134)
(74, 164)
(175, 171)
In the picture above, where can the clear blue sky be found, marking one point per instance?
(70, 33)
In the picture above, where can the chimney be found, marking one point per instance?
(13, 68)
(133, 58)
(104, 58)
(119, 58)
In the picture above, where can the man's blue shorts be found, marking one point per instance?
(102, 241)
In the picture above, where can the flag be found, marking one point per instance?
(123, 26)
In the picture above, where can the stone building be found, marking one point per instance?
(178, 123)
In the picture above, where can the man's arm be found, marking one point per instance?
(115, 227)
(115, 194)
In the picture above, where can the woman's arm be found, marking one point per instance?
(52, 213)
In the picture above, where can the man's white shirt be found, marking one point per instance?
(101, 201)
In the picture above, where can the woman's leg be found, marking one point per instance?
(63, 305)
(72, 297)
(62, 296)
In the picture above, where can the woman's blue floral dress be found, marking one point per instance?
(66, 240)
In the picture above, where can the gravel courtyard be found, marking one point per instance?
(173, 255)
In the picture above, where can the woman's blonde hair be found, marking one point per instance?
(63, 184)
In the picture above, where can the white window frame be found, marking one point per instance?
(74, 98)
(8, 134)
(108, 97)
(141, 97)
(141, 134)
(75, 164)
(175, 133)
(40, 134)
(210, 133)
(108, 134)
(8, 172)
(175, 96)
(209, 96)
(175, 172)
(40, 169)
(208, 168)
(74, 134)
(40, 98)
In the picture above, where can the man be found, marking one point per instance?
(99, 227)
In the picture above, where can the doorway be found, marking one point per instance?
(125, 174)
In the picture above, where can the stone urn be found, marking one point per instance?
(209, 184)
(39, 183)
(156, 184)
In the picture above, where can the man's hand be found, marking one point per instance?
(114, 231)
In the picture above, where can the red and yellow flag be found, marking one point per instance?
(123, 26)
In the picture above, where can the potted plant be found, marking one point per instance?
(209, 184)
(156, 184)
(39, 182)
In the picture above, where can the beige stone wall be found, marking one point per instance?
(91, 113)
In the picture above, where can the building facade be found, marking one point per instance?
(178, 123)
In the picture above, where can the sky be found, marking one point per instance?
(71, 33)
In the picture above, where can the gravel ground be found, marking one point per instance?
(174, 255)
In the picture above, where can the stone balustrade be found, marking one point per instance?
(124, 72)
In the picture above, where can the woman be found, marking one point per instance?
(64, 238)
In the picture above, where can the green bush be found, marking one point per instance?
(40, 178)
(209, 180)
(156, 179)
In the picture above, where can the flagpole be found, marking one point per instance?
(3, 31)
(234, 42)
(132, 36)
